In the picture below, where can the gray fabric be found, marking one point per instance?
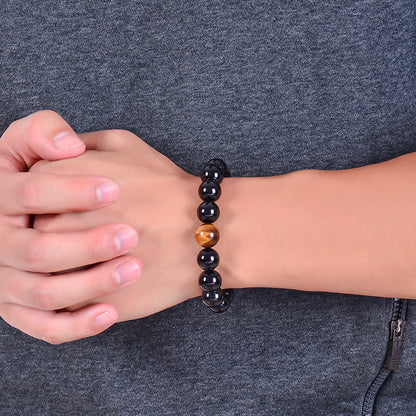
(271, 87)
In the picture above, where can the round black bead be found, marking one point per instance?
(209, 280)
(221, 165)
(208, 259)
(209, 191)
(223, 306)
(208, 212)
(212, 173)
(212, 298)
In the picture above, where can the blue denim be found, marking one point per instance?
(270, 87)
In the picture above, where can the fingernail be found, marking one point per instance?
(107, 192)
(104, 320)
(125, 239)
(126, 272)
(67, 141)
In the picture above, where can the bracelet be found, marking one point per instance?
(207, 235)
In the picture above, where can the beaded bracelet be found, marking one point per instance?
(207, 235)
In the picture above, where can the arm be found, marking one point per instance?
(344, 231)
(348, 231)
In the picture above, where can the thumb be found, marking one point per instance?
(42, 135)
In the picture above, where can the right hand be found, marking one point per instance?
(33, 286)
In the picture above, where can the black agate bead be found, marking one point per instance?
(221, 165)
(211, 173)
(208, 259)
(208, 212)
(212, 298)
(209, 191)
(227, 295)
(209, 280)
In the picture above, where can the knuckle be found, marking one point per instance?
(32, 123)
(37, 123)
(12, 126)
(52, 337)
(32, 254)
(43, 116)
(29, 195)
(8, 314)
(47, 114)
(43, 297)
(99, 283)
(119, 137)
(10, 289)
(37, 120)
(112, 138)
(97, 247)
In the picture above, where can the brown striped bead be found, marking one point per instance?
(207, 235)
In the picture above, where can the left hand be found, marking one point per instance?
(157, 198)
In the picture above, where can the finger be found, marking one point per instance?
(59, 327)
(63, 223)
(108, 140)
(42, 135)
(34, 193)
(52, 292)
(32, 250)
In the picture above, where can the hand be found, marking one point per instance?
(158, 198)
(29, 294)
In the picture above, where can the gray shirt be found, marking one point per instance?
(270, 87)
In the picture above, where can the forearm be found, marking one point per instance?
(347, 231)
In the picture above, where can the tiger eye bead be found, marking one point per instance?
(211, 173)
(207, 235)
(208, 259)
(208, 212)
(209, 191)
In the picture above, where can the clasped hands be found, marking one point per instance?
(80, 251)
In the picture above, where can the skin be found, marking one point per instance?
(158, 199)
(29, 293)
(347, 231)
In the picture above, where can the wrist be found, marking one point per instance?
(264, 222)
(252, 223)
